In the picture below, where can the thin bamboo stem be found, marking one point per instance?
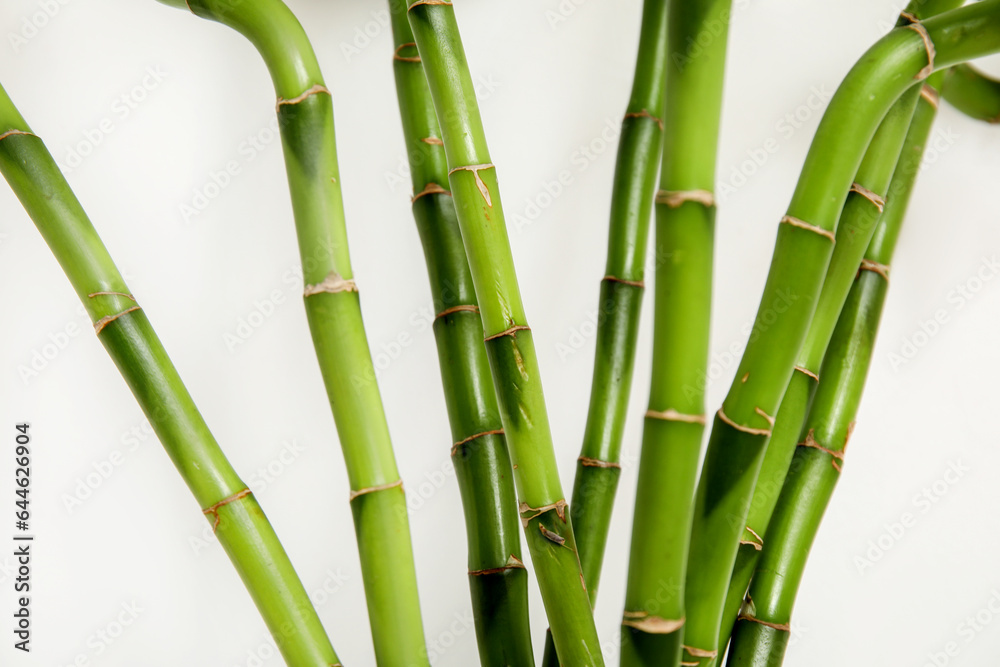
(620, 301)
(497, 578)
(305, 116)
(653, 620)
(761, 635)
(509, 345)
(972, 92)
(801, 258)
(122, 327)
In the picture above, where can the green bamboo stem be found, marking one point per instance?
(497, 578)
(305, 116)
(653, 620)
(761, 635)
(620, 302)
(973, 93)
(802, 254)
(122, 327)
(858, 222)
(513, 364)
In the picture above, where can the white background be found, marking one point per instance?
(551, 83)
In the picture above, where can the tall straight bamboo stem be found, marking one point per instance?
(509, 345)
(972, 92)
(305, 116)
(122, 327)
(761, 635)
(802, 253)
(497, 578)
(653, 621)
(620, 301)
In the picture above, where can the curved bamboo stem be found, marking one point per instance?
(509, 345)
(305, 116)
(761, 635)
(497, 578)
(972, 92)
(802, 254)
(236, 518)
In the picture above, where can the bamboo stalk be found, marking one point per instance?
(761, 635)
(122, 327)
(513, 363)
(305, 116)
(497, 578)
(972, 92)
(620, 302)
(858, 222)
(802, 253)
(653, 620)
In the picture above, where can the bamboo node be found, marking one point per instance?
(918, 27)
(467, 308)
(465, 441)
(332, 284)
(108, 319)
(929, 94)
(430, 189)
(127, 296)
(869, 195)
(10, 133)
(783, 627)
(588, 462)
(805, 371)
(645, 114)
(634, 283)
(875, 267)
(699, 652)
(475, 169)
(315, 90)
(513, 563)
(214, 509)
(740, 427)
(836, 457)
(405, 59)
(802, 224)
(769, 418)
(672, 415)
(428, 2)
(643, 621)
(508, 332)
(559, 506)
(674, 198)
(375, 489)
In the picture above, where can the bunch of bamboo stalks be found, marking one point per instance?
(716, 554)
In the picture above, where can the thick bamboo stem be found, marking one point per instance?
(653, 620)
(972, 92)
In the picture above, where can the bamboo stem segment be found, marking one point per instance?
(675, 421)
(305, 117)
(497, 577)
(508, 339)
(801, 258)
(122, 327)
